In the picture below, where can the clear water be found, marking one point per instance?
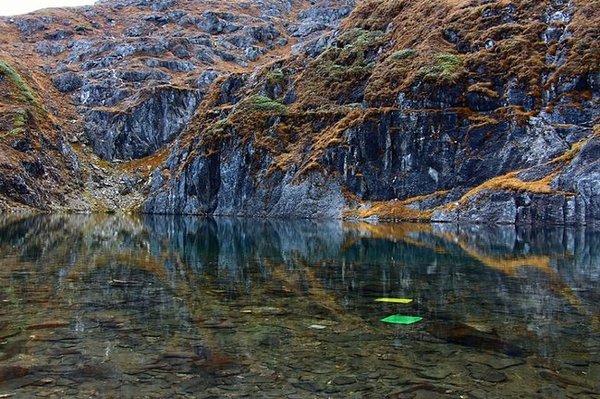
(156, 306)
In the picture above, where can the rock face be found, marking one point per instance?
(223, 184)
(574, 202)
(277, 108)
(143, 128)
(67, 82)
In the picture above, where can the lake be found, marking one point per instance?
(164, 306)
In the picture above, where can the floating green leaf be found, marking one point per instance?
(394, 300)
(401, 319)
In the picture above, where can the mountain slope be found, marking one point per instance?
(476, 111)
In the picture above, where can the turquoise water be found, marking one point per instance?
(161, 307)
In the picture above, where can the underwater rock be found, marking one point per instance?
(462, 334)
(12, 372)
(435, 373)
(486, 373)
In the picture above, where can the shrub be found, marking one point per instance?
(263, 103)
(276, 76)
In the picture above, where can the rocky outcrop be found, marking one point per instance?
(227, 183)
(67, 82)
(143, 128)
(407, 154)
(319, 18)
(573, 200)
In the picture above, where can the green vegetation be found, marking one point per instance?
(446, 67)
(340, 73)
(275, 76)
(221, 124)
(390, 76)
(348, 62)
(360, 38)
(341, 69)
(217, 130)
(263, 103)
(26, 94)
(355, 44)
(403, 54)
(19, 122)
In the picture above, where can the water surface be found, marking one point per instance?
(157, 306)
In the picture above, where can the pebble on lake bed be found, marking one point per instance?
(317, 326)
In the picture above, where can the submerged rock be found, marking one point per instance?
(486, 373)
(435, 373)
(462, 334)
(8, 373)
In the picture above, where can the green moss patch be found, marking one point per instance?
(403, 54)
(20, 120)
(262, 103)
(339, 70)
(445, 68)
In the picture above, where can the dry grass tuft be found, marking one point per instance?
(394, 210)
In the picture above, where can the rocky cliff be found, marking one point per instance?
(470, 111)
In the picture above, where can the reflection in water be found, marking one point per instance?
(159, 306)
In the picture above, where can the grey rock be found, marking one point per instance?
(67, 82)
(252, 53)
(230, 89)
(46, 47)
(60, 34)
(314, 47)
(504, 362)
(319, 18)
(136, 75)
(216, 23)
(435, 373)
(206, 78)
(344, 380)
(582, 177)
(135, 31)
(499, 207)
(575, 202)
(206, 55)
(173, 65)
(31, 25)
(222, 184)
(106, 93)
(143, 129)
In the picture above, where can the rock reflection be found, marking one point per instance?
(155, 306)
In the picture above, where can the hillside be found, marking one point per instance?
(472, 111)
